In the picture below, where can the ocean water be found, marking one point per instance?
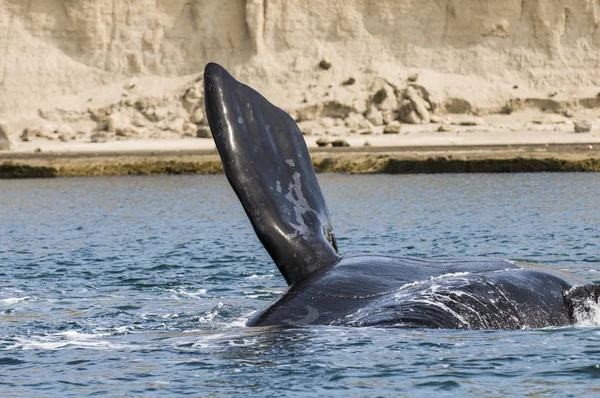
(142, 285)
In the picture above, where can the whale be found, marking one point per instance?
(267, 163)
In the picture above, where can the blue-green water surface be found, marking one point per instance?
(141, 286)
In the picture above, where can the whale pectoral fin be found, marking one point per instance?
(267, 163)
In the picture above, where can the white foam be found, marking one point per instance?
(194, 295)
(433, 278)
(210, 315)
(14, 300)
(255, 276)
(70, 339)
(587, 314)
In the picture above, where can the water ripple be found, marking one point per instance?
(142, 286)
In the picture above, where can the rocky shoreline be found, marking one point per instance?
(365, 160)
(115, 72)
(156, 108)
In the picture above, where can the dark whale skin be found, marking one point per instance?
(266, 160)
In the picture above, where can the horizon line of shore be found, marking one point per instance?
(579, 157)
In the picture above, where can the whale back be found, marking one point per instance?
(266, 161)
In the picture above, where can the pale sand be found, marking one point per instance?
(464, 137)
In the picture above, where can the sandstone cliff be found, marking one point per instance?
(470, 56)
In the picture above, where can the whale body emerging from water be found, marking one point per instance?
(266, 160)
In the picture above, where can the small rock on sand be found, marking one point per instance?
(324, 64)
(583, 126)
(99, 137)
(322, 142)
(203, 132)
(339, 143)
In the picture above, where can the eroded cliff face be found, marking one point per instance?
(463, 48)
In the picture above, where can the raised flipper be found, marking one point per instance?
(267, 163)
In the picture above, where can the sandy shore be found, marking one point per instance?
(425, 151)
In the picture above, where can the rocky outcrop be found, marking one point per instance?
(165, 111)
(5, 143)
(314, 58)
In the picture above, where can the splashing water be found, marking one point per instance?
(587, 313)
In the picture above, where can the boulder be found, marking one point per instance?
(47, 131)
(128, 132)
(339, 143)
(193, 96)
(407, 113)
(327, 122)
(353, 121)
(324, 64)
(197, 115)
(366, 125)
(5, 143)
(322, 142)
(374, 116)
(392, 128)
(190, 130)
(385, 100)
(435, 119)
(117, 121)
(414, 109)
(30, 134)
(583, 126)
(138, 120)
(64, 132)
(99, 136)
(175, 125)
(160, 113)
(413, 77)
(203, 132)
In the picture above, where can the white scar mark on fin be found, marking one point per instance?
(240, 120)
(300, 208)
(278, 186)
(290, 162)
